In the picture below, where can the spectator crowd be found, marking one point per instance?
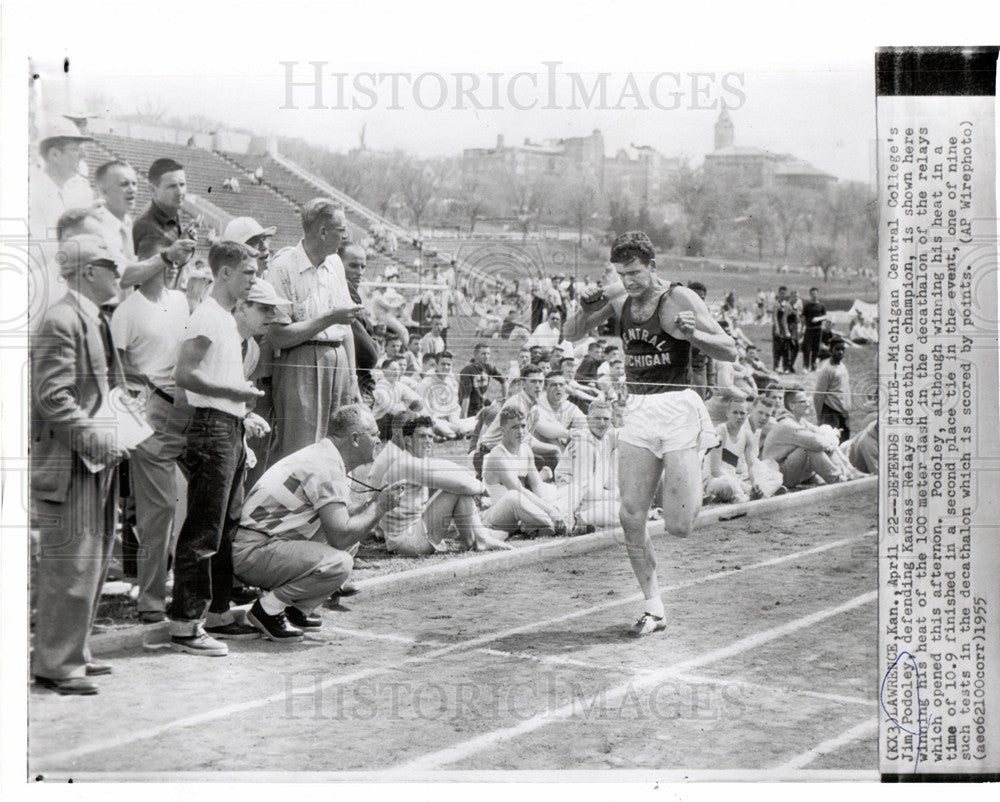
(300, 402)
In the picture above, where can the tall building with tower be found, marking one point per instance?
(751, 167)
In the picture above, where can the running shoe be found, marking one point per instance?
(646, 625)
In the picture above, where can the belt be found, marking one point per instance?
(208, 412)
(323, 343)
(168, 398)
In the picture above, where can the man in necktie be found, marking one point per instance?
(73, 453)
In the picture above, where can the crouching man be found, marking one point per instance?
(299, 528)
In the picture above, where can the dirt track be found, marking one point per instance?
(406, 681)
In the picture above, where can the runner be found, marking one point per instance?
(666, 425)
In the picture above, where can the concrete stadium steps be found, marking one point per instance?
(206, 171)
(297, 190)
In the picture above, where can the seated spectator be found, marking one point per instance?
(733, 380)
(432, 342)
(761, 419)
(516, 366)
(588, 470)
(586, 373)
(735, 471)
(614, 389)
(512, 328)
(392, 396)
(548, 333)
(435, 494)
(557, 417)
(861, 450)
(762, 376)
(474, 381)
(300, 530)
(610, 352)
(198, 283)
(520, 500)
(393, 349)
(439, 391)
(802, 449)
(862, 332)
(579, 394)
(526, 399)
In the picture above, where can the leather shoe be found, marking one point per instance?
(347, 589)
(68, 686)
(299, 619)
(152, 616)
(98, 669)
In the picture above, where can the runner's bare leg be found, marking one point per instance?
(638, 475)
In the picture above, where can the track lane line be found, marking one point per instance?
(855, 733)
(453, 754)
(467, 645)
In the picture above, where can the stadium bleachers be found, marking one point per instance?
(206, 171)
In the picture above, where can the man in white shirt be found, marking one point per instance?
(148, 328)
(210, 370)
(435, 494)
(432, 342)
(520, 500)
(118, 186)
(53, 189)
(588, 470)
(300, 529)
(439, 392)
(314, 369)
(548, 333)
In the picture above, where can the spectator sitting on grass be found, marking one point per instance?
(735, 472)
(733, 380)
(862, 449)
(392, 396)
(579, 394)
(588, 470)
(435, 494)
(520, 500)
(439, 391)
(802, 449)
(761, 419)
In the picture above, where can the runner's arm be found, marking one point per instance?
(695, 324)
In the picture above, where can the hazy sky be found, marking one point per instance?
(224, 60)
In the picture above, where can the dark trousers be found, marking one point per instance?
(212, 461)
(838, 420)
(810, 348)
(791, 353)
(778, 347)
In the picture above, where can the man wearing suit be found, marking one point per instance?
(73, 454)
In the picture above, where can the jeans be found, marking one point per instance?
(212, 456)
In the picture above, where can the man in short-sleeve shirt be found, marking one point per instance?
(299, 526)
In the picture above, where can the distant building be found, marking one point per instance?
(641, 171)
(744, 166)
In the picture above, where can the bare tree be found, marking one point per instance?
(528, 195)
(789, 207)
(758, 217)
(418, 186)
(476, 194)
(582, 198)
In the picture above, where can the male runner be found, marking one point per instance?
(665, 423)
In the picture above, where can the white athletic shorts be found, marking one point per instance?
(665, 422)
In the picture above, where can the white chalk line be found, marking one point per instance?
(855, 733)
(695, 679)
(453, 754)
(467, 645)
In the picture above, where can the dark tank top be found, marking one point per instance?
(655, 362)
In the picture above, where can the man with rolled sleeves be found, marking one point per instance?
(73, 456)
(314, 368)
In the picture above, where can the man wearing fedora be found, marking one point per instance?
(73, 453)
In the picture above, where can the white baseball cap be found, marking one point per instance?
(241, 229)
(61, 128)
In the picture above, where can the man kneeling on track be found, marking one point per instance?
(299, 529)
(436, 493)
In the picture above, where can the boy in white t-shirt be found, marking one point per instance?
(210, 370)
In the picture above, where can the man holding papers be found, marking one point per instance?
(74, 448)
